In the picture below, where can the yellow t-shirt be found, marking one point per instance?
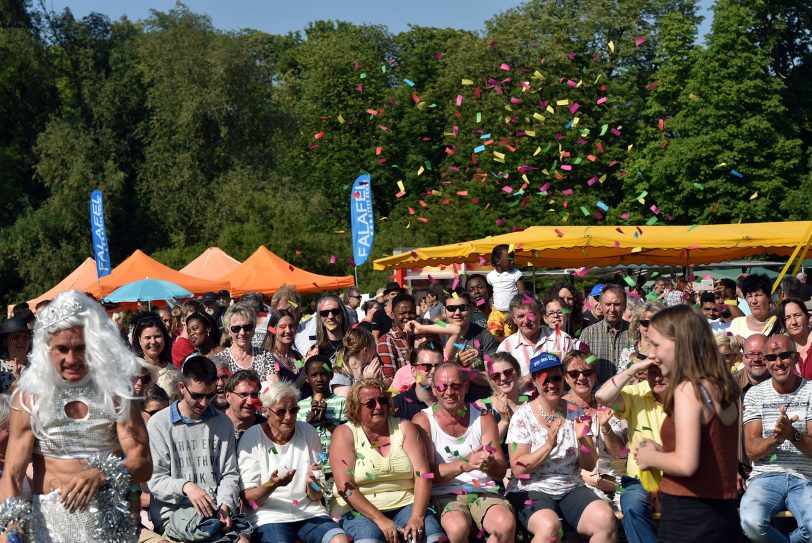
(645, 416)
(387, 482)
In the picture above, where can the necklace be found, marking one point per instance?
(758, 323)
(240, 359)
(548, 418)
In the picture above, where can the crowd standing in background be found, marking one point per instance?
(486, 413)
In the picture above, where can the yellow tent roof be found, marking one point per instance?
(579, 246)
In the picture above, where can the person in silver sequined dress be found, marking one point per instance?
(74, 419)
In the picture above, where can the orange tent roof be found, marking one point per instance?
(140, 266)
(266, 273)
(212, 263)
(82, 278)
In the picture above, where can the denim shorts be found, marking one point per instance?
(364, 530)
(312, 530)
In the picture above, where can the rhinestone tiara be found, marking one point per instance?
(59, 310)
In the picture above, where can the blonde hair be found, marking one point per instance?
(696, 356)
(352, 407)
(634, 324)
(355, 341)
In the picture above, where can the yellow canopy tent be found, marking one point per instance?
(586, 246)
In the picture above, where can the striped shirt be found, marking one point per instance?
(333, 416)
(606, 343)
(762, 402)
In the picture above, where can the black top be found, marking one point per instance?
(406, 404)
(381, 321)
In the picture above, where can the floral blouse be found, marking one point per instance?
(262, 363)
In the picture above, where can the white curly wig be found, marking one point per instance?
(112, 367)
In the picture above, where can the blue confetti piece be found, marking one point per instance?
(460, 346)
(409, 82)
(479, 149)
(602, 206)
(315, 487)
(737, 173)
(485, 136)
(568, 125)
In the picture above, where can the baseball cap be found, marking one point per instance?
(543, 361)
(208, 298)
(596, 290)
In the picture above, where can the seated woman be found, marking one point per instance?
(279, 474)
(377, 463)
(550, 443)
(357, 359)
(503, 375)
(608, 431)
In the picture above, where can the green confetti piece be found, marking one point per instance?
(435, 407)
(299, 364)
(360, 456)
(629, 281)
(363, 75)
(440, 323)
(585, 211)
(691, 228)
(646, 428)
(591, 359)
(273, 450)
(652, 221)
(699, 186)
(522, 398)
(371, 476)
(566, 311)
(604, 128)
(478, 116)
(774, 457)
(513, 446)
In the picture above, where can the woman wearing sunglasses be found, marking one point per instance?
(240, 321)
(503, 374)
(331, 327)
(279, 468)
(550, 442)
(377, 461)
(607, 430)
(638, 334)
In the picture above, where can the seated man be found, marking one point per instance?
(777, 427)
(73, 414)
(242, 395)
(418, 396)
(194, 460)
(462, 443)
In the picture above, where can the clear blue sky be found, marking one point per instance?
(280, 17)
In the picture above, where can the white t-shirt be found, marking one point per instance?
(504, 287)
(762, 403)
(258, 457)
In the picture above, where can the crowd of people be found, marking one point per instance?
(476, 414)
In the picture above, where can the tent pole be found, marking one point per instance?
(356, 275)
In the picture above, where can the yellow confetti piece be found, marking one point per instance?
(754, 196)
(694, 97)
(421, 170)
(550, 110)
(612, 46)
(575, 121)
(538, 116)
(340, 118)
(467, 81)
(454, 295)
(562, 102)
(531, 133)
(401, 187)
(637, 249)
(537, 151)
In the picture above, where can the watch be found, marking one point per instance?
(796, 437)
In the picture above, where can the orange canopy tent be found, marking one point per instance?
(212, 263)
(82, 278)
(266, 273)
(140, 266)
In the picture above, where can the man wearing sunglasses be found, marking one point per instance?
(777, 428)
(462, 445)
(194, 458)
(419, 396)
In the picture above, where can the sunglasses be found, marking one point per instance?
(786, 355)
(455, 308)
(246, 395)
(151, 412)
(553, 379)
(245, 328)
(575, 374)
(380, 400)
(334, 312)
(645, 322)
(197, 396)
(426, 367)
(281, 411)
(144, 378)
(497, 375)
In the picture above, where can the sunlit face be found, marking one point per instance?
(502, 377)
(662, 351)
(758, 302)
(550, 383)
(285, 331)
(457, 311)
(198, 331)
(753, 357)
(612, 306)
(331, 314)
(152, 342)
(318, 377)
(244, 401)
(282, 416)
(423, 367)
(68, 353)
(645, 319)
(197, 396)
(581, 378)
(450, 388)
(656, 380)
(782, 368)
(554, 315)
(222, 376)
(294, 309)
(527, 320)
(710, 310)
(141, 382)
(241, 331)
(374, 406)
(796, 320)
(166, 317)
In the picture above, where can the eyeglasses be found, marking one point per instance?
(245, 328)
(197, 396)
(552, 379)
(453, 387)
(786, 355)
(383, 401)
(645, 322)
(498, 375)
(426, 367)
(751, 356)
(334, 312)
(144, 378)
(281, 411)
(455, 308)
(575, 374)
(554, 313)
(246, 395)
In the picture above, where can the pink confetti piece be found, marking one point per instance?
(459, 100)
(574, 107)
(625, 216)
(253, 504)
(507, 189)
(332, 259)
(585, 449)
(640, 41)
(427, 475)
(566, 192)
(505, 67)
(559, 233)
(602, 100)
(654, 209)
